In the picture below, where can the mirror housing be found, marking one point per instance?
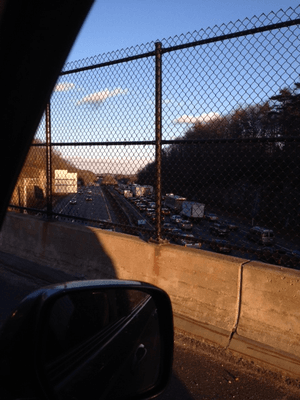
(72, 340)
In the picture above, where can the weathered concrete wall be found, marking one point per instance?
(250, 308)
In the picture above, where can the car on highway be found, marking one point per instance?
(211, 217)
(280, 256)
(176, 231)
(88, 198)
(194, 245)
(272, 255)
(231, 226)
(184, 237)
(185, 224)
(153, 217)
(167, 226)
(220, 245)
(219, 230)
(142, 207)
(109, 339)
(73, 202)
(176, 218)
(150, 212)
(165, 211)
(136, 202)
(261, 235)
(188, 240)
(146, 199)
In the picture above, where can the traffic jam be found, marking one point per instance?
(188, 224)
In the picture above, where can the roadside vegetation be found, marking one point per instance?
(30, 190)
(236, 163)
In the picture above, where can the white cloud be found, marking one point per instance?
(100, 97)
(203, 118)
(64, 87)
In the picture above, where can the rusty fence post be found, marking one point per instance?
(158, 134)
(48, 162)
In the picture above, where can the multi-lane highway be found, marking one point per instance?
(106, 208)
(99, 206)
(89, 203)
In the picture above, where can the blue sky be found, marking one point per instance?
(116, 103)
(116, 24)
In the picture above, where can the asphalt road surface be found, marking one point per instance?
(97, 208)
(200, 372)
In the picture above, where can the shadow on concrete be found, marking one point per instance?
(19, 277)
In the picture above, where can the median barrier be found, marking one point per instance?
(249, 308)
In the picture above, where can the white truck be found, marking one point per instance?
(127, 193)
(192, 209)
(174, 202)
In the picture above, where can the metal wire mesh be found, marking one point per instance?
(195, 140)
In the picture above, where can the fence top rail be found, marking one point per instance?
(234, 35)
(218, 38)
(108, 63)
(177, 141)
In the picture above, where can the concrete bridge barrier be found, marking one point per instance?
(249, 308)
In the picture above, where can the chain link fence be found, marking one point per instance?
(194, 140)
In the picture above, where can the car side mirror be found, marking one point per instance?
(92, 340)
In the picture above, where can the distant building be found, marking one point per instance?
(65, 182)
(30, 187)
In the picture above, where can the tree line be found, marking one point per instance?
(246, 162)
(34, 171)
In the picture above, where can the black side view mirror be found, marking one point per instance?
(89, 340)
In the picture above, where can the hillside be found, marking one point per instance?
(30, 190)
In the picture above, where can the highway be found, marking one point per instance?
(104, 207)
(237, 238)
(89, 203)
(98, 205)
